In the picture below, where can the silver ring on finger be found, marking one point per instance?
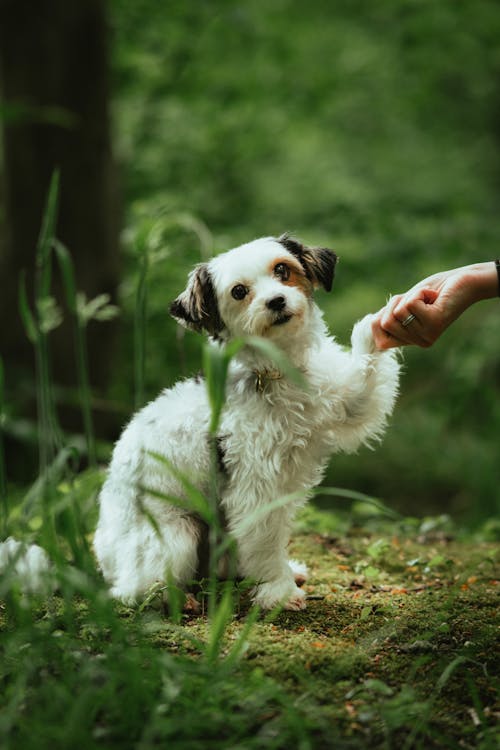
(406, 322)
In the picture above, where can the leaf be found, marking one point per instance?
(446, 674)
(220, 619)
(216, 361)
(278, 358)
(260, 513)
(371, 572)
(436, 561)
(27, 317)
(378, 548)
(45, 239)
(362, 501)
(196, 500)
(239, 647)
(365, 613)
(50, 314)
(378, 686)
(68, 274)
(176, 599)
(97, 308)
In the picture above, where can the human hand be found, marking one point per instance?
(422, 314)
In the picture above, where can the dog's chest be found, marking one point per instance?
(273, 441)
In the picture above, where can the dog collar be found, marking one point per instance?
(262, 377)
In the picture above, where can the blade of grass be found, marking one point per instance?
(196, 498)
(45, 238)
(356, 496)
(140, 316)
(216, 361)
(278, 358)
(237, 650)
(220, 618)
(50, 433)
(420, 724)
(27, 317)
(260, 513)
(50, 439)
(81, 353)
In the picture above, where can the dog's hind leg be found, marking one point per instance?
(147, 559)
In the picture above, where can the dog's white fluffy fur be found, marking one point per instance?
(275, 437)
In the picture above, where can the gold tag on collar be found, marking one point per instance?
(263, 376)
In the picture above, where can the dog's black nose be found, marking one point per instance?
(276, 303)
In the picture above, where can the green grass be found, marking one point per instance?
(395, 649)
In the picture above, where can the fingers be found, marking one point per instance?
(407, 320)
(421, 318)
(382, 339)
(384, 334)
(392, 319)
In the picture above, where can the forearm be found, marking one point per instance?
(421, 315)
(482, 280)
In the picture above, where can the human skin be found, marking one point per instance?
(435, 302)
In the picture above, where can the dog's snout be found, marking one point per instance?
(276, 303)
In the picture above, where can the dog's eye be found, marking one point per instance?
(282, 270)
(239, 291)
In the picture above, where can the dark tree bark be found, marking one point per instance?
(55, 106)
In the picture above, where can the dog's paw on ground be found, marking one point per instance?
(191, 605)
(296, 603)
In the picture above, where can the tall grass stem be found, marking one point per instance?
(50, 438)
(81, 353)
(140, 329)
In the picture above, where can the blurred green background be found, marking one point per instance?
(370, 128)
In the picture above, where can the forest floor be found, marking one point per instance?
(397, 648)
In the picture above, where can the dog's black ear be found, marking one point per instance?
(196, 308)
(317, 262)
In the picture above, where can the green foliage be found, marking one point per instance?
(368, 127)
(406, 660)
(371, 128)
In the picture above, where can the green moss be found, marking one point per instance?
(396, 648)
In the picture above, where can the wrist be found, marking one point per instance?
(483, 280)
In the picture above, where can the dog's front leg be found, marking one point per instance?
(262, 558)
(369, 390)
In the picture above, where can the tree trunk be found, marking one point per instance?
(55, 111)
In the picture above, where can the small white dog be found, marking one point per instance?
(275, 437)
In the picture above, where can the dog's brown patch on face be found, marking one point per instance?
(295, 275)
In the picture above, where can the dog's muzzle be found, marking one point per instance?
(282, 319)
(278, 305)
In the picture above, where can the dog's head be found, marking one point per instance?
(263, 288)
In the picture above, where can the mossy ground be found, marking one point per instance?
(396, 649)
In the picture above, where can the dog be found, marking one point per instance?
(275, 437)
